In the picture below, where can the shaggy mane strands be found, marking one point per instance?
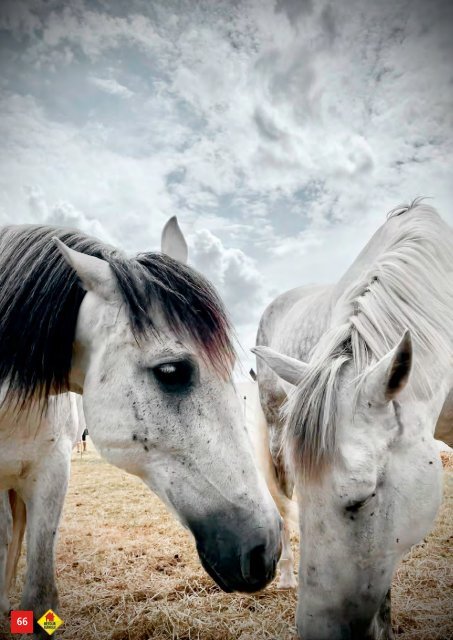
(408, 286)
(40, 298)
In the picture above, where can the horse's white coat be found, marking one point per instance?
(256, 426)
(191, 448)
(259, 436)
(168, 443)
(173, 242)
(381, 489)
(35, 454)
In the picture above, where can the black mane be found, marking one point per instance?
(40, 297)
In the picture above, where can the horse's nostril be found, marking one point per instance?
(257, 568)
(257, 563)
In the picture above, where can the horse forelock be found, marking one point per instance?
(189, 303)
(407, 287)
(40, 298)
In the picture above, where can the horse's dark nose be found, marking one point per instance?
(242, 557)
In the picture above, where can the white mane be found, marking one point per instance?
(408, 285)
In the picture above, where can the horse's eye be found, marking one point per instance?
(357, 505)
(175, 376)
(353, 507)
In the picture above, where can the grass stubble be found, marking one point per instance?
(126, 570)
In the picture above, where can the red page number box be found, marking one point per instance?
(21, 621)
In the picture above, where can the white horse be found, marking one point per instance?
(256, 425)
(360, 418)
(148, 343)
(62, 421)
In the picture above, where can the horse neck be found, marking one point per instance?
(306, 322)
(318, 315)
(369, 254)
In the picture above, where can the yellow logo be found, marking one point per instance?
(50, 622)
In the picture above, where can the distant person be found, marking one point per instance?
(84, 439)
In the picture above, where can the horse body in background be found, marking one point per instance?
(256, 426)
(35, 433)
(358, 419)
(40, 437)
(148, 343)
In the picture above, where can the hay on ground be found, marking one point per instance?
(127, 571)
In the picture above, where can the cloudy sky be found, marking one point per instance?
(279, 131)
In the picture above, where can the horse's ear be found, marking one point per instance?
(287, 368)
(95, 274)
(173, 242)
(391, 374)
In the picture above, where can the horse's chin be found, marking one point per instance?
(214, 575)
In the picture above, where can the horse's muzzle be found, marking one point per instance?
(239, 557)
(343, 625)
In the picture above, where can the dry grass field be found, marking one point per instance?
(128, 571)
